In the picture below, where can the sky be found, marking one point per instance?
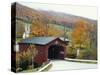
(84, 11)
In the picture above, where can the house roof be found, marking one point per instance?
(41, 40)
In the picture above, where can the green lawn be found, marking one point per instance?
(18, 39)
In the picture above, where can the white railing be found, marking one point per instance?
(81, 60)
(44, 67)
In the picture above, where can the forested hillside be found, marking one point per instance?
(41, 18)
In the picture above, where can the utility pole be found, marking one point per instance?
(46, 29)
(64, 33)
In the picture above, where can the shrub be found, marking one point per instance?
(17, 59)
(37, 65)
(24, 64)
(71, 52)
(87, 54)
(71, 56)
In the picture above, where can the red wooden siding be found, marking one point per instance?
(42, 55)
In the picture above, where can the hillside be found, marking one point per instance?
(41, 20)
(69, 19)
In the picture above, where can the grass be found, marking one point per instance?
(61, 27)
(18, 39)
(30, 70)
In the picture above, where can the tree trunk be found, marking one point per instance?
(78, 52)
(32, 63)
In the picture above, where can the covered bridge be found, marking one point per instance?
(48, 47)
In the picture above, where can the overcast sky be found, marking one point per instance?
(84, 11)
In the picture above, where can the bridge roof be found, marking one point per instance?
(41, 40)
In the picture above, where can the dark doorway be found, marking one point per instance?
(56, 52)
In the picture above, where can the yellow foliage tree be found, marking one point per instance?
(40, 29)
(80, 36)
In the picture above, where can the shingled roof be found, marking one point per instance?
(41, 40)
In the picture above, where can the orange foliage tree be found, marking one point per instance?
(41, 28)
(80, 35)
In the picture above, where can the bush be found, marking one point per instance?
(71, 52)
(83, 54)
(94, 54)
(36, 65)
(24, 64)
(87, 54)
(71, 56)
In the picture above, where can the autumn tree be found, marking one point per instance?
(32, 53)
(17, 59)
(25, 58)
(80, 36)
(44, 28)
